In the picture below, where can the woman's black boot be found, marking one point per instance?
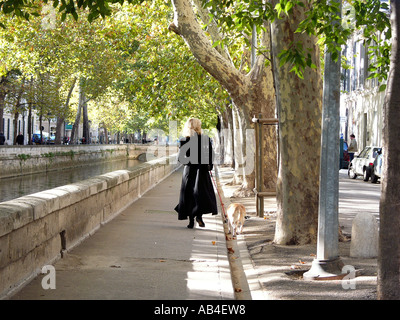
(191, 223)
(200, 222)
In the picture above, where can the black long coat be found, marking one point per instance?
(197, 195)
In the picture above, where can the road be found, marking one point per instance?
(356, 195)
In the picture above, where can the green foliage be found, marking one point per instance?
(323, 20)
(285, 6)
(70, 153)
(296, 57)
(136, 74)
(240, 15)
(23, 156)
(373, 19)
(236, 20)
(48, 155)
(136, 80)
(152, 91)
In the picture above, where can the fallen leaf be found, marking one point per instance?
(312, 254)
(115, 266)
(238, 290)
(162, 260)
(302, 262)
(213, 242)
(230, 250)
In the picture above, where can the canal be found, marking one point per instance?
(11, 188)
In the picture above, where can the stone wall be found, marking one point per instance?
(21, 160)
(36, 229)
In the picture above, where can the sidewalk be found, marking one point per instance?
(275, 272)
(145, 253)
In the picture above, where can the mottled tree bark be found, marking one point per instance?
(389, 210)
(2, 98)
(299, 103)
(61, 117)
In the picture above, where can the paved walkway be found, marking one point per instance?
(145, 253)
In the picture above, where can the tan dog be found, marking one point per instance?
(235, 214)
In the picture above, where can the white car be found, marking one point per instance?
(362, 164)
(376, 171)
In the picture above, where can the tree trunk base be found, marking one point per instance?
(343, 237)
(243, 192)
(235, 181)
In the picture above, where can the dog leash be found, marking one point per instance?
(220, 199)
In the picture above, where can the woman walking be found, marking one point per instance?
(197, 195)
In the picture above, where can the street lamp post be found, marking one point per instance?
(327, 264)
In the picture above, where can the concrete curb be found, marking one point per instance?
(236, 250)
(251, 274)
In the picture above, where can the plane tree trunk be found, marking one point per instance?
(389, 209)
(299, 103)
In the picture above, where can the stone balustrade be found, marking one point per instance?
(21, 160)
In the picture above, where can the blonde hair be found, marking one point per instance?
(192, 126)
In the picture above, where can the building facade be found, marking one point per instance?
(49, 128)
(361, 101)
(8, 126)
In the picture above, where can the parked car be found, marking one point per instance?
(376, 170)
(362, 164)
(51, 140)
(36, 138)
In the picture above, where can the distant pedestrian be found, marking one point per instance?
(20, 139)
(2, 138)
(197, 195)
(352, 147)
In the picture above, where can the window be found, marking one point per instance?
(376, 151)
(364, 153)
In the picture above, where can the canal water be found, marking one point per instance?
(11, 188)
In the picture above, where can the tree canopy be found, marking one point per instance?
(369, 16)
(241, 16)
(130, 66)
